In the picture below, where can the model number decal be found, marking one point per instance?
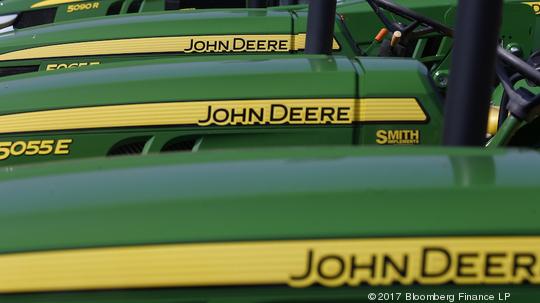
(56, 66)
(82, 6)
(34, 148)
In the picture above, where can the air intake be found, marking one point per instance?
(131, 146)
(16, 70)
(179, 145)
(115, 8)
(135, 6)
(35, 18)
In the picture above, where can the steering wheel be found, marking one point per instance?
(420, 25)
(522, 103)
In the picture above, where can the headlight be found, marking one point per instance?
(7, 20)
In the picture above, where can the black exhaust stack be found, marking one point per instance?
(473, 72)
(320, 26)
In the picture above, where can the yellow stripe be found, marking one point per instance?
(52, 2)
(179, 44)
(376, 110)
(475, 260)
(196, 112)
(300, 43)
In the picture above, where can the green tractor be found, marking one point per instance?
(321, 224)
(362, 28)
(181, 103)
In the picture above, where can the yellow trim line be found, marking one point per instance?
(331, 263)
(52, 2)
(177, 44)
(219, 113)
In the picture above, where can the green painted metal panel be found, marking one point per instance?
(315, 194)
(175, 80)
(357, 183)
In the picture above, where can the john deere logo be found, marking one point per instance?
(232, 44)
(277, 114)
(297, 263)
(428, 265)
(535, 5)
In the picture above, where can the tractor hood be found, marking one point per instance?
(254, 223)
(80, 42)
(148, 36)
(34, 13)
(177, 23)
(189, 104)
(163, 80)
(326, 192)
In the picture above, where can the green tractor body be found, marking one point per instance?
(295, 225)
(27, 14)
(91, 41)
(334, 224)
(195, 103)
(167, 87)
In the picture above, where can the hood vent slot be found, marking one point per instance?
(172, 5)
(131, 146)
(115, 8)
(135, 6)
(179, 145)
(35, 18)
(16, 70)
